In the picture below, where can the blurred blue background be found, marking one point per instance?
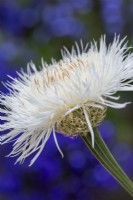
(29, 30)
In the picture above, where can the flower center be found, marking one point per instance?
(75, 123)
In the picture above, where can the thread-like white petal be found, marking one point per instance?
(71, 110)
(56, 142)
(89, 126)
(41, 147)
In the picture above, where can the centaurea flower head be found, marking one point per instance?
(70, 96)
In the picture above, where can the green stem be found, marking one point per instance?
(104, 156)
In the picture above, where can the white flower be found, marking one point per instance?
(69, 96)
